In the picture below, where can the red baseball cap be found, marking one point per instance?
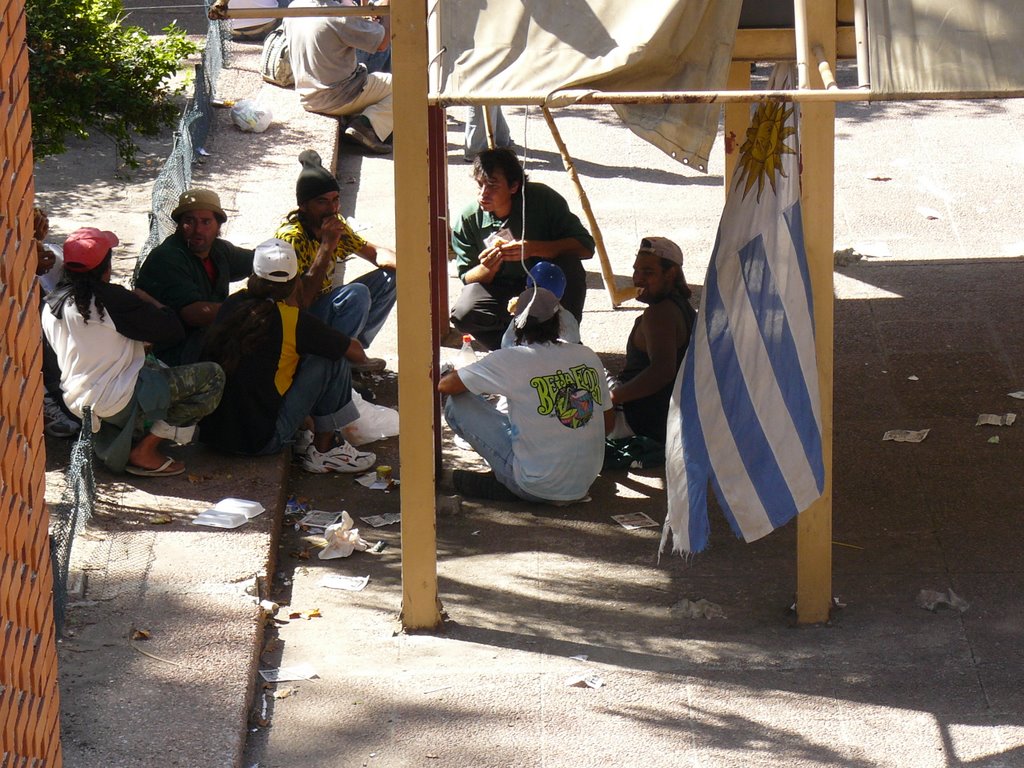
(86, 248)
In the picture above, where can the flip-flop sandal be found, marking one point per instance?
(164, 470)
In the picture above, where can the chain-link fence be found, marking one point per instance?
(69, 516)
(189, 139)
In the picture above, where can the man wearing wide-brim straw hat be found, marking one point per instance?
(192, 269)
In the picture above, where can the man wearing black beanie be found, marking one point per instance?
(323, 241)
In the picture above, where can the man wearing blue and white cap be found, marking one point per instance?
(284, 368)
(550, 446)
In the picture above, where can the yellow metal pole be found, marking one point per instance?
(817, 136)
(737, 118)
(421, 609)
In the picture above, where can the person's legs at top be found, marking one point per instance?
(372, 120)
(476, 131)
(482, 311)
(195, 392)
(383, 290)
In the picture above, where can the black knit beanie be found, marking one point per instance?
(314, 179)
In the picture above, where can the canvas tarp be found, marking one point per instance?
(945, 45)
(495, 47)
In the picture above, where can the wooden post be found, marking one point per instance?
(817, 137)
(616, 294)
(737, 118)
(421, 608)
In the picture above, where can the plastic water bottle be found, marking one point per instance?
(466, 355)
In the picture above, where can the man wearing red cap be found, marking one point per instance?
(192, 269)
(98, 331)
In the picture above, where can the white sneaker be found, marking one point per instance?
(342, 458)
(56, 423)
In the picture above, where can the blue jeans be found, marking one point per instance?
(322, 389)
(476, 130)
(379, 61)
(489, 431)
(360, 308)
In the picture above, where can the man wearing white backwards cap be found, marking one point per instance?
(658, 341)
(550, 446)
(284, 368)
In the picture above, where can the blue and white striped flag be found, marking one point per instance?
(746, 414)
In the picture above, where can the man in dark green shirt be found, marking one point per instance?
(494, 251)
(192, 269)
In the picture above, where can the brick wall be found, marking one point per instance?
(29, 700)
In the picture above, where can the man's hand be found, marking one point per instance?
(45, 258)
(331, 229)
(355, 352)
(513, 251)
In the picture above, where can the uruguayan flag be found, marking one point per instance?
(745, 413)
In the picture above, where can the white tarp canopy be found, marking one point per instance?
(945, 45)
(494, 47)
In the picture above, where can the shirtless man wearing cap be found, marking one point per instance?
(192, 269)
(657, 343)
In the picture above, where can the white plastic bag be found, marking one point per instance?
(375, 422)
(250, 116)
(342, 539)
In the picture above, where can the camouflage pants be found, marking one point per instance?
(195, 392)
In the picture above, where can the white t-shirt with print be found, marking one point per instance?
(557, 395)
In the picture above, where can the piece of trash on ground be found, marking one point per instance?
(635, 520)
(288, 674)
(374, 483)
(377, 548)
(931, 600)
(318, 518)
(906, 435)
(697, 609)
(846, 257)
(995, 419)
(912, 378)
(216, 518)
(580, 657)
(347, 583)
(1019, 394)
(342, 539)
(584, 681)
(246, 507)
(379, 521)
(929, 213)
(312, 613)
(994, 439)
(283, 693)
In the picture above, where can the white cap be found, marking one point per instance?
(275, 261)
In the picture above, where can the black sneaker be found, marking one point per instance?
(481, 485)
(359, 131)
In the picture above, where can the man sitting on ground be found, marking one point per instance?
(283, 367)
(98, 331)
(550, 446)
(658, 341)
(322, 241)
(322, 52)
(192, 269)
(494, 251)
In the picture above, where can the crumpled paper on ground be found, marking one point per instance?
(931, 600)
(697, 609)
(996, 419)
(342, 539)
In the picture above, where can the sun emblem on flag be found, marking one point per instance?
(761, 153)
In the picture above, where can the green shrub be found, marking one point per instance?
(89, 72)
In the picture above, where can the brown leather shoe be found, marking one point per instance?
(359, 132)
